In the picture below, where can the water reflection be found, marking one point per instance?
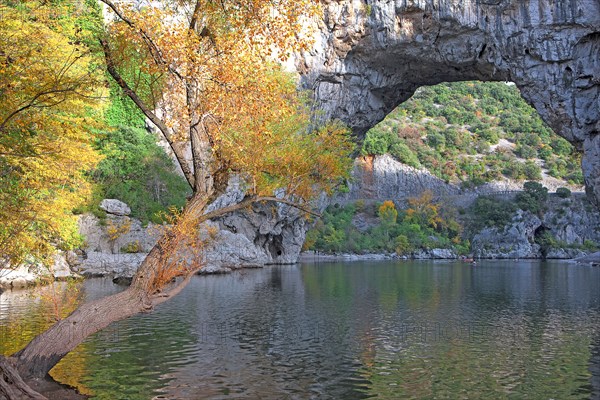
(391, 330)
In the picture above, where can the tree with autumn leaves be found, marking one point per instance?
(210, 83)
(50, 86)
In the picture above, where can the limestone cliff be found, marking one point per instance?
(371, 57)
(383, 178)
(571, 222)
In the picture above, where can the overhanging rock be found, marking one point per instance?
(371, 57)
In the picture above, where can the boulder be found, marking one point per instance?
(19, 283)
(61, 269)
(593, 259)
(564, 253)
(17, 278)
(115, 207)
(434, 254)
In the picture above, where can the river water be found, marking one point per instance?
(390, 330)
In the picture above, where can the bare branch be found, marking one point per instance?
(289, 203)
(110, 66)
(248, 201)
(161, 297)
(33, 101)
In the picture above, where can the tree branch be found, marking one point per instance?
(194, 19)
(32, 103)
(248, 201)
(112, 70)
(152, 47)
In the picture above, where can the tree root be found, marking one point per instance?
(12, 386)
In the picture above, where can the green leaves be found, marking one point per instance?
(137, 171)
(441, 126)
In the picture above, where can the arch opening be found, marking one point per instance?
(373, 59)
(471, 135)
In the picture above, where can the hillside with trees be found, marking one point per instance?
(468, 134)
(472, 133)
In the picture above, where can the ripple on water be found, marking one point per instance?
(385, 330)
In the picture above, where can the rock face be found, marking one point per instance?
(369, 58)
(128, 234)
(573, 220)
(572, 223)
(31, 273)
(515, 240)
(383, 178)
(272, 233)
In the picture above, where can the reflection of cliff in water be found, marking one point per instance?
(595, 368)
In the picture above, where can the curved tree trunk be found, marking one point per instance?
(48, 348)
(150, 286)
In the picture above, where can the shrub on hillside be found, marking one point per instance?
(563, 192)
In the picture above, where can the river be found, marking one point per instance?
(390, 330)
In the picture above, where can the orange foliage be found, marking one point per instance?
(422, 210)
(180, 249)
(388, 212)
(214, 77)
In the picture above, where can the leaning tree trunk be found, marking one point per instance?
(48, 348)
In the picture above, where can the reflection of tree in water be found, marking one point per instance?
(134, 358)
(519, 337)
(25, 314)
(352, 331)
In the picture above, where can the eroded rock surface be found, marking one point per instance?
(516, 240)
(370, 58)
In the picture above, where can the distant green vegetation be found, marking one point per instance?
(450, 128)
(135, 169)
(424, 224)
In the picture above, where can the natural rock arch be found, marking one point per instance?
(372, 56)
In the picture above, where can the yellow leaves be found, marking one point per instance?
(423, 210)
(117, 229)
(387, 212)
(48, 86)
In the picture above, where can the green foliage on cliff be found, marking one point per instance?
(488, 211)
(474, 132)
(137, 171)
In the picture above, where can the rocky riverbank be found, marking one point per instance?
(116, 245)
(432, 254)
